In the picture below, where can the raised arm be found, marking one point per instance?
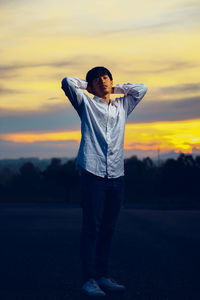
(133, 94)
(73, 90)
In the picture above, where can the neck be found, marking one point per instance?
(106, 97)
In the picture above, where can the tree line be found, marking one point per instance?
(170, 181)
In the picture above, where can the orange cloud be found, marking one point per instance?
(173, 135)
(41, 136)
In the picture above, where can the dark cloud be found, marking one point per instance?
(73, 61)
(162, 67)
(153, 67)
(6, 71)
(76, 62)
(53, 98)
(36, 65)
(4, 91)
(64, 117)
(38, 149)
(186, 88)
(165, 110)
(171, 66)
(52, 117)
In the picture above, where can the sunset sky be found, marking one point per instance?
(152, 42)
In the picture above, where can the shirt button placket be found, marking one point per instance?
(108, 141)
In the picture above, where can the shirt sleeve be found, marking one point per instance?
(133, 94)
(73, 90)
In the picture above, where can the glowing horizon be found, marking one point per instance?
(155, 43)
(145, 136)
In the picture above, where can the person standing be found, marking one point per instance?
(100, 163)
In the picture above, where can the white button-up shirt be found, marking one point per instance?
(102, 126)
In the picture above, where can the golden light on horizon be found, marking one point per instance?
(156, 43)
(174, 135)
(28, 137)
(178, 136)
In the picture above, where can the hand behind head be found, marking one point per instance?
(89, 89)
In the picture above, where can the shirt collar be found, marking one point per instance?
(112, 101)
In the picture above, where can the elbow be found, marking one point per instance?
(144, 90)
(64, 83)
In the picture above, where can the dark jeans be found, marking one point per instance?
(101, 200)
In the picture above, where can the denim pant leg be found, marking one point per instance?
(101, 202)
(112, 205)
(92, 202)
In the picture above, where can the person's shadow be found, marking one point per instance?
(109, 295)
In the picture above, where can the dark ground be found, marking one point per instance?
(155, 253)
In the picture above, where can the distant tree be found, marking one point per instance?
(52, 173)
(148, 163)
(62, 181)
(6, 177)
(197, 161)
(186, 160)
(172, 180)
(134, 179)
(52, 179)
(71, 181)
(29, 178)
(28, 171)
(189, 174)
(150, 179)
(169, 178)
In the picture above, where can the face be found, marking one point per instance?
(102, 85)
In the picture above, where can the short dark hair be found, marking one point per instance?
(97, 72)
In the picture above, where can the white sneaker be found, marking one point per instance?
(110, 284)
(91, 288)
